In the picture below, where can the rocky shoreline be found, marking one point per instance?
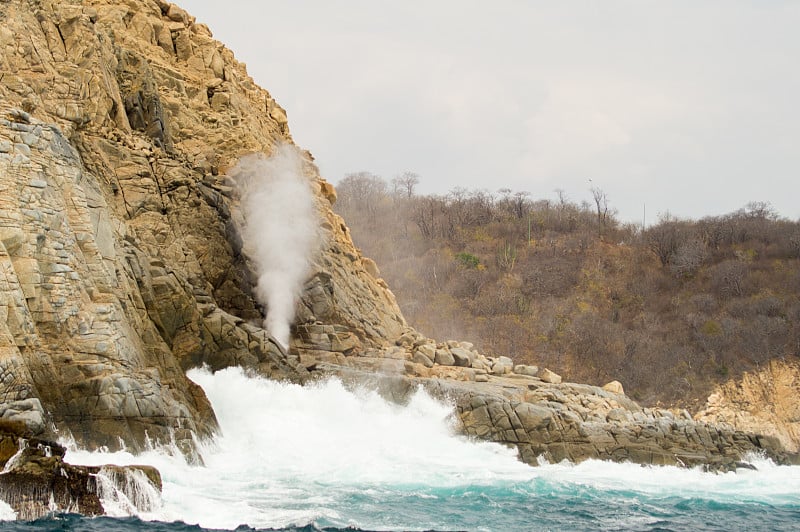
(121, 267)
(546, 419)
(35, 481)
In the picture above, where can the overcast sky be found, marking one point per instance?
(690, 107)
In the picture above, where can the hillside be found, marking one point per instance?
(670, 311)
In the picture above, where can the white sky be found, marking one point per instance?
(691, 107)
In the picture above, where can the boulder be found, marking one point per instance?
(548, 376)
(36, 481)
(445, 358)
(502, 365)
(522, 369)
(428, 350)
(614, 387)
(421, 358)
(480, 362)
(462, 357)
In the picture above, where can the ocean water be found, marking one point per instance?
(324, 458)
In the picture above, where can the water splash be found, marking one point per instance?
(280, 230)
(125, 492)
(326, 456)
(7, 513)
(16, 457)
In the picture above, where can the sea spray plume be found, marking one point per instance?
(280, 231)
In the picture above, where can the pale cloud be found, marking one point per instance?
(687, 106)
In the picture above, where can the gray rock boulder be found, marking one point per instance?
(530, 371)
(445, 358)
(462, 357)
(502, 365)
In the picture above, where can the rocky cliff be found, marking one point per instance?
(122, 264)
(765, 401)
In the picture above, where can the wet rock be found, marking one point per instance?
(35, 480)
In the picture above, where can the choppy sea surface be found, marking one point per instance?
(322, 457)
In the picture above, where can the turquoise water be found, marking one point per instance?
(534, 506)
(323, 457)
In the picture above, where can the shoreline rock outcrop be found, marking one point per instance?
(121, 262)
(35, 480)
(546, 418)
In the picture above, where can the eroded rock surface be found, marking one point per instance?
(120, 262)
(765, 401)
(545, 418)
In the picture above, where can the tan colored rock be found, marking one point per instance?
(120, 266)
(328, 192)
(462, 357)
(421, 358)
(614, 387)
(502, 365)
(371, 267)
(177, 14)
(549, 376)
(764, 402)
(522, 369)
(444, 357)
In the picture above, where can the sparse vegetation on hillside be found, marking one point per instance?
(669, 311)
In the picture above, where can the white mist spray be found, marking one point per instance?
(280, 231)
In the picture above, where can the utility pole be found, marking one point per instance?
(644, 215)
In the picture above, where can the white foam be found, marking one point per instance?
(770, 483)
(290, 455)
(7, 513)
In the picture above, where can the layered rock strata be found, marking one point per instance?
(766, 401)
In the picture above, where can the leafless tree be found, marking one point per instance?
(601, 203)
(688, 257)
(664, 238)
(520, 201)
(363, 190)
(728, 277)
(404, 184)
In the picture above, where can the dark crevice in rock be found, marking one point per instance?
(141, 99)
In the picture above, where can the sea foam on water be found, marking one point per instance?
(292, 455)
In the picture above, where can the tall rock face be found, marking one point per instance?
(121, 267)
(764, 401)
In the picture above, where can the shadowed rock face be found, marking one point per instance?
(35, 480)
